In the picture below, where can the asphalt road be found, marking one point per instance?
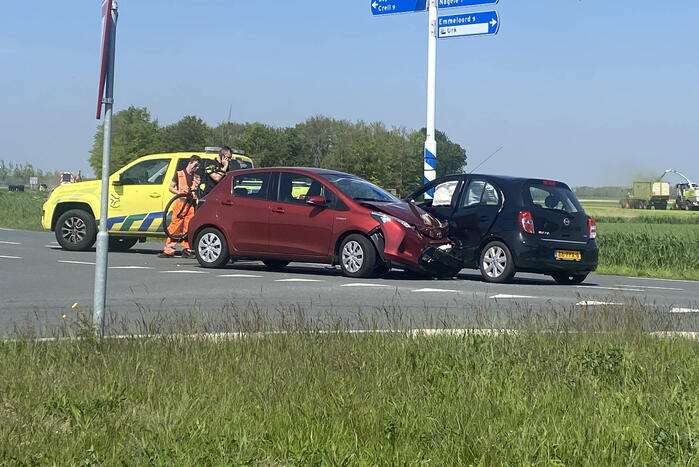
(44, 287)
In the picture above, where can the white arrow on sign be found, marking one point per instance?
(375, 4)
(493, 22)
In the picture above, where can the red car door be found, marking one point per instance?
(245, 213)
(296, 228)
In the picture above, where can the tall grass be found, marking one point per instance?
(21, 210)
(644, 252)
(307, 397)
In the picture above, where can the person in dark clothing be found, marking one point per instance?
(216, 169)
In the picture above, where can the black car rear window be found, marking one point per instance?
(554, 197)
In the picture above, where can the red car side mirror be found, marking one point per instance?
(319, 201)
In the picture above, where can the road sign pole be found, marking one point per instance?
(102, 245)
(430, 163)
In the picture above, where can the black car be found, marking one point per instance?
(503, 225)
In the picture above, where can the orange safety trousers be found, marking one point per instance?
(179, 224)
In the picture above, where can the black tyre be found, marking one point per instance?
(211, 248)
(121, 243)
(275, 264)
(76, 230)
(189, 205)
(496, 263)
(568, 279)
(357, 256)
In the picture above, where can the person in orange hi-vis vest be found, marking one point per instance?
(184, 181)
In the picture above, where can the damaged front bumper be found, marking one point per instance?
(403, 247)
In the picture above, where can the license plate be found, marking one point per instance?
(568, 255)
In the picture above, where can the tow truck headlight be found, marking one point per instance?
(384, 218)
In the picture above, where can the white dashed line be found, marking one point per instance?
(9, 243)
(298, 280)
(183, 271)
(55, 247)
(240, 275)
(596, 303)
(10, 257)
(621, 289)
(657, 279)
(511, 296)
(684, 310)
(650, 287)
(436, 290)
(359, 284)
(76, 262)
(6, 229)
(130, 267)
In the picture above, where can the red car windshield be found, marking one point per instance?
(359, 189)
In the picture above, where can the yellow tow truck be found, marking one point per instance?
(138, 193)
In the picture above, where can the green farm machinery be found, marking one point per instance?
(647, 195)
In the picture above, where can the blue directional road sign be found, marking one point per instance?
(469, 24)
(459, 3)
(389, 7)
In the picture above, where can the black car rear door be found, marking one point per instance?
(477, 209)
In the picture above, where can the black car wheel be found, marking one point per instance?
(121, 243)
(496, 263)
(357, 256)
(76, 230)
(211, 248)
(275, 264)
(568, 279)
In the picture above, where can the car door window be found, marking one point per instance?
(443, 195)
(480, 192)
(255, 185)
(150, 172)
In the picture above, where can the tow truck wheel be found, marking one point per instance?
(357, 256)
(496, 263)
(76, 230)
(121, 243)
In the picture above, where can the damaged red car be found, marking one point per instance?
(280, 215)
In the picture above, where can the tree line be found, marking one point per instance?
(389, 157)
(17, 173)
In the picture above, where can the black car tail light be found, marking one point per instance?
(526, 222)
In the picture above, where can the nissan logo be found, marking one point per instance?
(566, 221)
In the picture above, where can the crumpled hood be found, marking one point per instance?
(423, 221)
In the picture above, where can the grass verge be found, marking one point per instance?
(22, 209)
(306, 397)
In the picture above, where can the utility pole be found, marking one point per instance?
(106, 97)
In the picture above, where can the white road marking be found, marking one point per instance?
(6, 229)
(623, 289)
(596, 303)
(435, 290)
(9, 243)
(240, 275)
(511, 296)
(684, 310)
(130, 267)
(10, 257)
(183, 271)
(76, 262)
(650, 287)
(657, 279)
(298, 280)
(55, 247)
(360, 284)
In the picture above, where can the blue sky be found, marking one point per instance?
(591, 92)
